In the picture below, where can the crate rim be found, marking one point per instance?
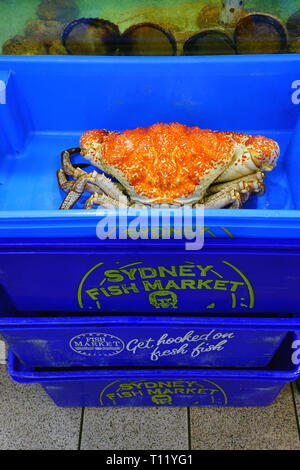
(249, 323)
(24, 375)
(236, 58)
(69, 223)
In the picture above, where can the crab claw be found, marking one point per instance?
(264, 152)
(91, 137)
(260, 153)
(91, 142)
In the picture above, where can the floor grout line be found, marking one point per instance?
(189, 429)
(296, 409)
(80, 429)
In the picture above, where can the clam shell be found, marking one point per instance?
(293, 25)
(147, 39)
(91, 36)
(259, 33)
(209, 42)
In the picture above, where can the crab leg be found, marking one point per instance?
(223, 199)
(67, 165)
(66, 185)
(99, 180)
(86, 182)
(106, 202)
(77, 189)
(245, 184)
(223, 195)
(70, 170)
(92, 182)
(63, 182)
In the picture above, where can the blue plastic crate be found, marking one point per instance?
(50, 101)
(51, 260)
(145, 341)
(162, 387)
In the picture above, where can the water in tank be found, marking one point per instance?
(149, 27)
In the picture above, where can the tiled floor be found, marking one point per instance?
(30, 420)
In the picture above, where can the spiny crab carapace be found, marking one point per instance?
(168, 165)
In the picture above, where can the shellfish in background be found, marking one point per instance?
(231, 12)
(260, 33)
(147, 39)
(293, 25)
(91, 36)
(209, 42)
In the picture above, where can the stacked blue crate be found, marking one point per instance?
(241, 287)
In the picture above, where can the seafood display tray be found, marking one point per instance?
(126, 341)
(163, 387)
(51, 101)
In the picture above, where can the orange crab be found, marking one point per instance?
(170, 165)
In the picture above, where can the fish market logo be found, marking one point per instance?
(163, 299)
(214, 287)
(163, 393)
(96, 344)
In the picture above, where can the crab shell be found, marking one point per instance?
(174, 163)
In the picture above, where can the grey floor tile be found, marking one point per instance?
(135, 428)
(31, 421)
(3, 350)
(296, 390)
(273, 427)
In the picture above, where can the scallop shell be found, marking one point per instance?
(259, 33)
(91, 36)
(293, 25)
(209, 42)
(147, 39)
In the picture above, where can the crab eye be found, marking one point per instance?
(232, 10)
(241, 2)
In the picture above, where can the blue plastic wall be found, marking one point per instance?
(52, 261)
(145, 341)
(126, 92)
(186, 389)
(237, 277)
